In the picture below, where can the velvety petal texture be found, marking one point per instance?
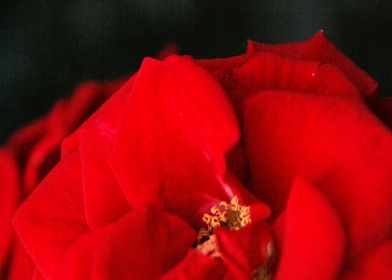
(175, 111)
(269, 71)
(104, 199)
(284, 129)
(319, 48)
(53, 217)
(314, 239)
(336, 143)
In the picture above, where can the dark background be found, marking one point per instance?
(47, 47)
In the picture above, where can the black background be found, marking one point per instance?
(47, 47)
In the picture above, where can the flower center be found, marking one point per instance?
(231, 215)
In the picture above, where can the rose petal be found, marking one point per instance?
(22, 141)
(319, 48)
(70, 143)
(268, 71)
(79, 258)
(221, 67)
(177, 126)
(314, 237)
(9, 196)
(334, 142)
(21, 265)
(245, 250)
(52, 218)
(375, 264)
(143, 245)
(196, 266)
(103, 197)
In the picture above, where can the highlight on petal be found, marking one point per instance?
(177, 126)
(104, 199)
(144, 244)
(319, 48)
(314, 240)
(52, 218)
(336, 143)
(9, 199)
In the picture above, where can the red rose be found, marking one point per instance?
(171, 176)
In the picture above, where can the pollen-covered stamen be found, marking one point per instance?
(227, 215)
(231, 215)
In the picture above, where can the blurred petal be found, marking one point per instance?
(9, 199)
(23, 140)
(52, 218)
(337, 143)
(314, 237)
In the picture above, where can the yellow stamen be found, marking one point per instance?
(231, 216)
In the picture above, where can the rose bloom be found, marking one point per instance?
(267, 165)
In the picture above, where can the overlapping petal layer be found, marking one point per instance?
(53, 217)
(335, 142)
(175, 131)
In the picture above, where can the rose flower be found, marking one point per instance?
(268, 165)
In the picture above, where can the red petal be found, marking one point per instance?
(103, 197)
(196, 266)
(42, 158)
(334, 142)
(52, 218)
(177, 126)
(9, 196)
(268, 71)
(70, 143)
(244, 250)
(21, 266)
(376, 264)
(79, 257)
(237, 162)
(314, 237)
(38, 275)
(319, 48)
(21, 142)
(220, 67)
(143, 245)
